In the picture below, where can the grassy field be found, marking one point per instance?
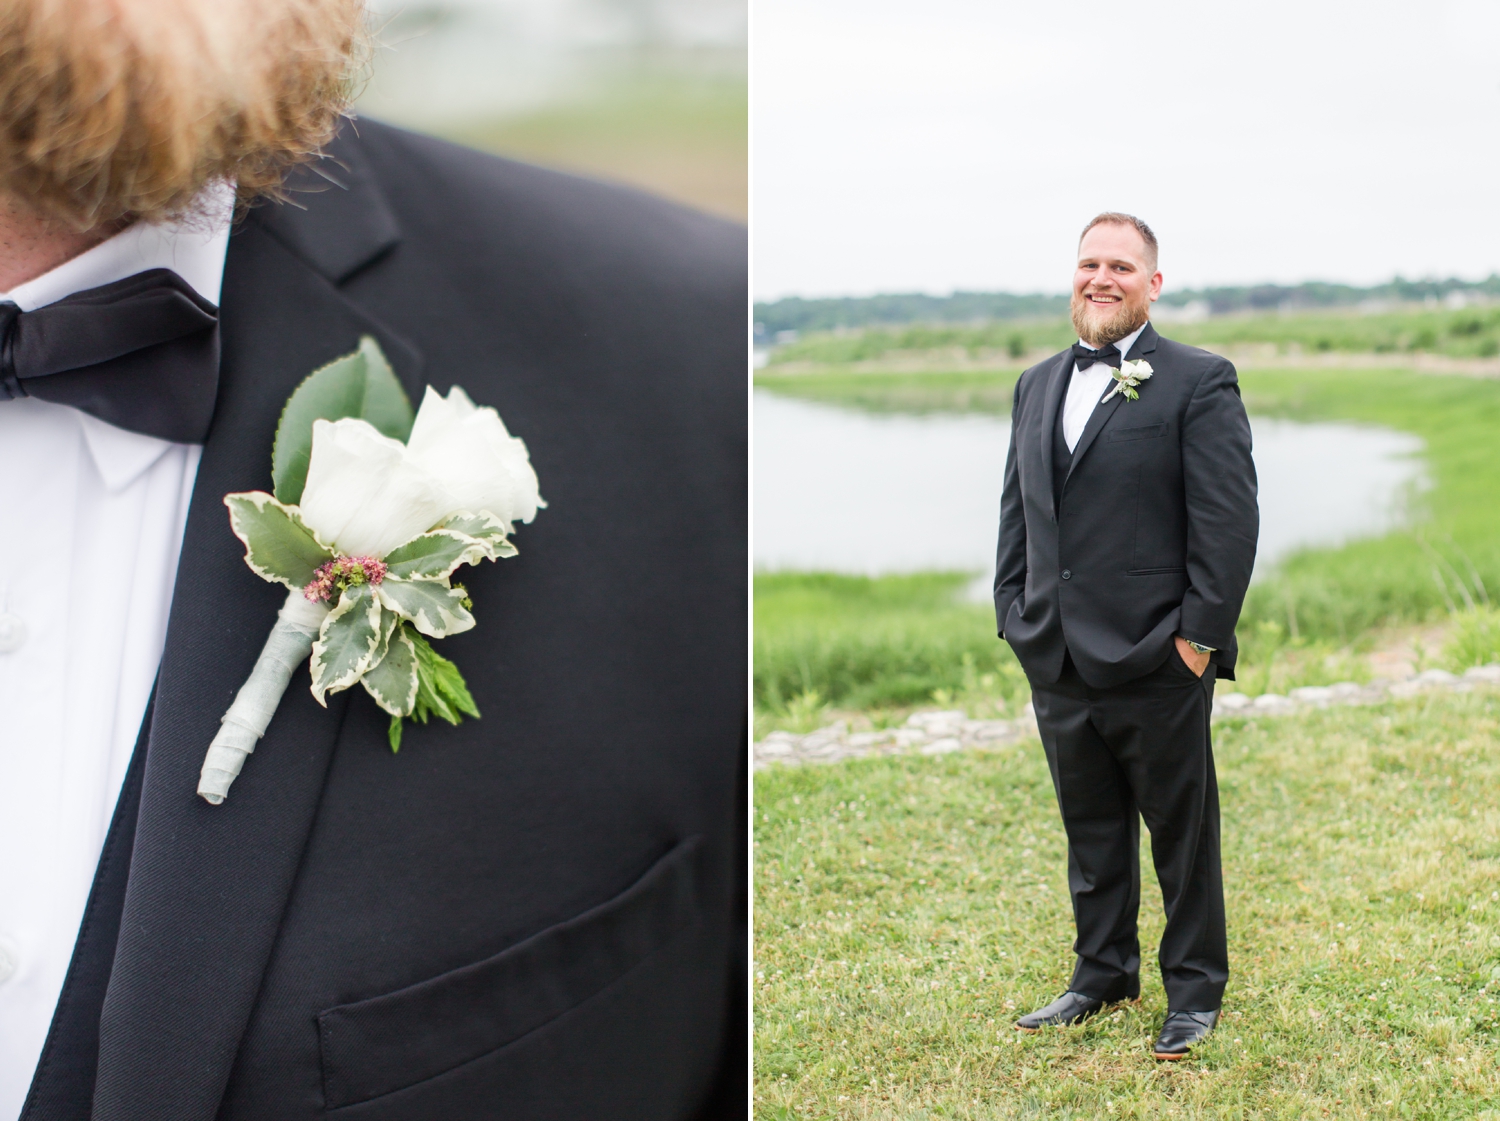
(856, 642)
(908, 908)
(1467, 333)
(680, 136)
(875, 645)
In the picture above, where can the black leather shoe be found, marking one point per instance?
(1070, 1008)
(1182, 1030)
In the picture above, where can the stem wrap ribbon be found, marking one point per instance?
(290, 643)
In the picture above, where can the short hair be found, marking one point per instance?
(123, 109)
(1117, 218)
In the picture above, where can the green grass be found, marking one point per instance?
(1470, 333)
(684, 136)
(1303, 624)
(1449, 559)
(863, 643)
(981, 391)
(1014, 339)
(908, 908)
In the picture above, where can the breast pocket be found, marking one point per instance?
(1141, 432)
(378, 1046)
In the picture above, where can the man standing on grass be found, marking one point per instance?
(1127, 535)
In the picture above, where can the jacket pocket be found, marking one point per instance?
(377, 1046)
(1170, 569)
(1143, 432)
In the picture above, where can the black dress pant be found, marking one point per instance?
(1139, 750)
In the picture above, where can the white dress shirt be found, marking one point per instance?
(1086, 389)
(91, 522)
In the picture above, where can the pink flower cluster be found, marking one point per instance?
(332, 577)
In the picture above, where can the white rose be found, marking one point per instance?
(468, 448)
(365, 492)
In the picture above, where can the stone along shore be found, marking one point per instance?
(937, 733)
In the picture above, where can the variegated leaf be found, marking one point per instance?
(434, 608)
(346, 645)
(393, 680)
(278, 546)
(433, 556)
(486, 529)
(389, 621)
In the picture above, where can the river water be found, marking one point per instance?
(842, 490)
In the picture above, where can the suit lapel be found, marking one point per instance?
(1144, 344)
(208, 884)
(1057, 386)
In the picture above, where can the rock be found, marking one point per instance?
(1272, 702)
(1435, 677)
(1344, 689)
(773, 748)
(1232, 702)
(927, 719)
(942, 746)
(1490, 673)
(827, 749)
(869, 739)
(986, 730)
(910, 737)
(1313, 695)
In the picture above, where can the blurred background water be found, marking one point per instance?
(650, 93)
(845, 490)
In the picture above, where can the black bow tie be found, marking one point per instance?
(1086, 357)
(141, 353)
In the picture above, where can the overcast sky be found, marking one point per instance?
(961, 144)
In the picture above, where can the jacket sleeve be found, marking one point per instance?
(1010, 555)
(1223, 519)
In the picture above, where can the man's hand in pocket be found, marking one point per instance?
(1195, 661)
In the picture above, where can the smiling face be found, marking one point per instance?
(1114, 285)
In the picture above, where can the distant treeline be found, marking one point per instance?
(797, 314)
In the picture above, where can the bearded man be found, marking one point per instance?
(539, 913)
(1127, 535)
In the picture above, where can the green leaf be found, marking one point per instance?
(278, 546)
(360, 385)
(392, 681)
(389, 621)
(435, 609)
(441, 689)
(433, 556)
(486, 529)
(346, 644)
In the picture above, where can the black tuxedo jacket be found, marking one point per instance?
(538, 914)
(1149, 533)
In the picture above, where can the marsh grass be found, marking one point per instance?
(682, 135)
(908, 908)
(826, 644)
(934, 391)
(1474, 639)
(861, 642)
(1463, 333)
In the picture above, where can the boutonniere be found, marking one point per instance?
(1127, 378)
(374, 511)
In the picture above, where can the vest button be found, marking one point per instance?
(1067, 574)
